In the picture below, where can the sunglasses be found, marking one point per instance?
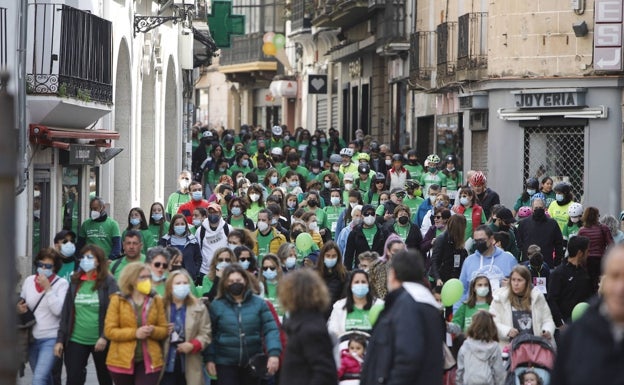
(48, 266)
(400, 195)
(265, 268)
(369, 214)
(327, 181)
(380, 182)
(158, 265)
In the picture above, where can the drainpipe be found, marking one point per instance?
(8, 338)
(21, 98)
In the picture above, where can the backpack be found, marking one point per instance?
(202, 234)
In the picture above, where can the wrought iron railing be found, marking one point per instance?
(472, 41)
(301, 14)
(447, 48)
(392, 25)
(69, 53)
(422, 55)
(244, 49)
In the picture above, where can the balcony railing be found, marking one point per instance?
(301, 15)
(245, 49)
(422, 55)
(339, 13)
(391, 24)
(447, 48)
(69, 53)
(472, 41)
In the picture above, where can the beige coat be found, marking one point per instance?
(197, 327)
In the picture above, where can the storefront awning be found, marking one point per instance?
(63, 137)
(600, 112)
(249, 67)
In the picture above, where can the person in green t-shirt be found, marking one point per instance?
(100, 230)
(180, 197)
(271, 274)
(138, 222)
(413, 165)
(158, 225)
(479, 298)
(332, 212)
(64, 243)
(132, 245)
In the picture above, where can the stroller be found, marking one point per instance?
(343, 343)
(530, 353)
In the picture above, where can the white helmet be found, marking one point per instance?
(346, 152)
(575, 209)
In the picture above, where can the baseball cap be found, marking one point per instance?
(214, 206)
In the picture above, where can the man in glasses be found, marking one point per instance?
(132, 246)
(368, 236)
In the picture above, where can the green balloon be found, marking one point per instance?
(373, 313)
(579, 310)
(304, 241)
(279, 40)
(452, 291)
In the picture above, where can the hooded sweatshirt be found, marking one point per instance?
(496, 267)
(480, 362)
(213, 240)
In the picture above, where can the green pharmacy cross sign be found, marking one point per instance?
(223, 24)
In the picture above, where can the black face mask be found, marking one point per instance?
(294, 235)
(236, 288)
(403, 220)
(481, 246)
(312, 203)
(214, 218)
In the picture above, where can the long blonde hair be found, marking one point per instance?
(523, 300)
(190, 299)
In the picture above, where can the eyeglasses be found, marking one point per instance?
(369, 214)
(48, 266)
(158, 265)
(265, 268)
(144, 277)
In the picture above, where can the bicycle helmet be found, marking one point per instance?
(374, 146)
(575, 209)
(478, 179)
(433, 158)
(532, 183)
(335, 158)
(276, 151)
(451, 158)
(563, 187)
(524, 211)
(411, 184)
(346, 152)
(364, 156)
(380, 176)
(396, 157)
(363, 169)
(538, 195)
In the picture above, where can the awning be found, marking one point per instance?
(600, 112)
(63, 137)
(249, 67)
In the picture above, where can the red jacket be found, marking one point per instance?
(476, 214)
(348, 364)
(599, 238)
(187, 209)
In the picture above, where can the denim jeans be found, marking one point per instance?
(41, 358)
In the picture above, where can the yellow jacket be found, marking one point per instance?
(274, 245)
(120, 329)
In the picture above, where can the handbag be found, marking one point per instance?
(258, 366)
(27, 320)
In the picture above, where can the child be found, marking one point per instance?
(351, 359)
(479, 360)
(529, 377)
(479, 298)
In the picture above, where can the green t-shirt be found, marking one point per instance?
(159, 288)
(67, 269)
(174, 202)
(270, 293)
(415, 170)
(119, 265)
(263, 245)
(358, 319)
(253, 210)
(402, 231)
(138, 350)
(86, 319)
(559, 213)
(237, 223)
(413, 203)
(147, 239)
(463, 315)
(570, 231)
(370, 235)
(100, 233)
(469, 224)
(299, 170)
(154, 230)
(427, 179)
(331, 217)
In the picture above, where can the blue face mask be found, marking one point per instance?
(222, 265)
(329, 263)
(291, 262)
(179, 230)
(87, 264)
(245, 162)
(197, 222)
(68, 249)
(135, 221)
(181, 291)
(46, 272)
(559, 197)
(236, 211)
(270, 274)
(273, 180)
(360, 290)
(156, 278)
(157, 217)
(245, 264)
(197, 195)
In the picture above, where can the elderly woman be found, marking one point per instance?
(308, 358)
(136, 326)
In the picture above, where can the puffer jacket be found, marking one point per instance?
(274, 244)
(198, 331)
(120, 329)
(480, 362)
(230, 319)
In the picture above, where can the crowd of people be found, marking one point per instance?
(300, 258)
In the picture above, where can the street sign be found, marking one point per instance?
(223, 24)
(79, 154)
(608, 35)
(317, 84)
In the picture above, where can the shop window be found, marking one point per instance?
(71, 199)
(558, 152)
(449, 136)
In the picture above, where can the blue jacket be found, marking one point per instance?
(422, 211)
(500, 267)
(253, 319)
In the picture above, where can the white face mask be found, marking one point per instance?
(388, 162)
(369, 221)
(482, 291)
(313, 226)
(184, 183)
(95, 214)
(348, 186)
(263, 226)
(254, 197)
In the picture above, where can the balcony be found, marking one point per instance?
(340, 13)
(422, 57)
(301, 16)
(390, 31)
(245, 62)
(69, 57)
(472, 46)
(3, 39)
(447, 50)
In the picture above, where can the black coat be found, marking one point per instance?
(587, 352)
(567, 285)
(308, 359)
(443, 258)
(414, 236)
(406, 345)
(542, 232)
(191, 254)
(356, 245)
